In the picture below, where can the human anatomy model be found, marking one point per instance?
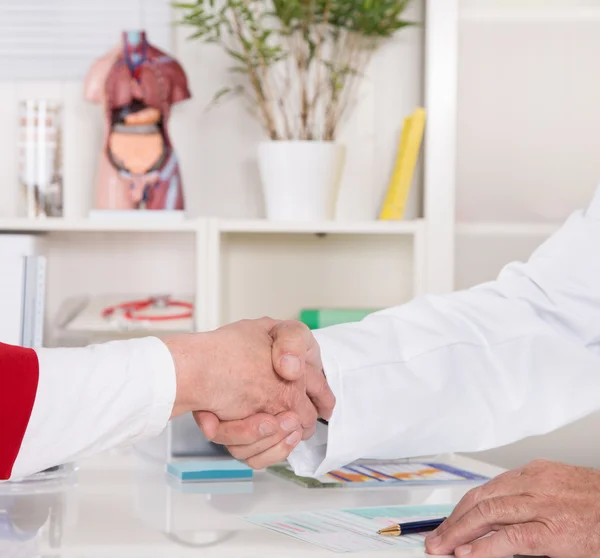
(137, 84)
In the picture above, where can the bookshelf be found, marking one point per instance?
(249, 226)
(243, 267)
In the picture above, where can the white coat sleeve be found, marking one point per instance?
(471, 370)
(95, 398)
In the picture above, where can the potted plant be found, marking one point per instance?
(301, 62)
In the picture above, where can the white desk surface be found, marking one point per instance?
(122, 506)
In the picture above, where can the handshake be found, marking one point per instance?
(255, 386)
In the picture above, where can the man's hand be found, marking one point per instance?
(260, 440)
(263, 440)
(543, 509)
(230, 373)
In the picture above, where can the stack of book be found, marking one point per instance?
(22, 290)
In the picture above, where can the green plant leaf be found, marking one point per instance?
(226, 92)
(258, 35)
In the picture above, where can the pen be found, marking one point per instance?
(411, 528)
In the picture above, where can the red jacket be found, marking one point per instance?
(19, 375)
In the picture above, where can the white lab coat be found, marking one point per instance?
(471, 370)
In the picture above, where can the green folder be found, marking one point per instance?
(325, 317)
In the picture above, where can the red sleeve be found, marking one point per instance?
(19, 373)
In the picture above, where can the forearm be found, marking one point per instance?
(471, 370)
(95, 398)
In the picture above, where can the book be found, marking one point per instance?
(34, 299)
(318, 318)
(408, 154)
(22, 289)
(210, 470)
(383, 473)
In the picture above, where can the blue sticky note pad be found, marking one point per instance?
(217, 470)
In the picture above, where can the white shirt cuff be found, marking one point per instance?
(160, 364)
(309, 459)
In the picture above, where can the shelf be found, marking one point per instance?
(250, 226)
(544, 14)
(262, 226)
(95, 225)
(507, 230)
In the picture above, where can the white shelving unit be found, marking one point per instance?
(242, 267)
(250, 226)
(59, 225)
(214, 238)
(507, 230)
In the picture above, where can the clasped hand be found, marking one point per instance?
(255, 386)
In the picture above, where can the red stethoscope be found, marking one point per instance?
(130, 310)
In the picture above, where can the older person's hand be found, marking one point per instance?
(543, 509)
(229, 372)
(262, 440)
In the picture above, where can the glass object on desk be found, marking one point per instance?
(34, 512)
(40, 157)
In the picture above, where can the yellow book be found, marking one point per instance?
(406, 162)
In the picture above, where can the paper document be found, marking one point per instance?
(351, 530)
(382, 473)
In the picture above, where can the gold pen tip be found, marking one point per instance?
(392, 531)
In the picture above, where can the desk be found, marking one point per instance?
(123, 506)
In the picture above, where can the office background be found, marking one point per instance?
(527, 127)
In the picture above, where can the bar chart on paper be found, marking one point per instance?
(382, 474)
(351, 530)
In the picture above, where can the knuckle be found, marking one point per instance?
(514, 536)
(487, 509)
(521, 538)
(473, 495)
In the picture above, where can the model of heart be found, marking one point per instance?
(137, 84)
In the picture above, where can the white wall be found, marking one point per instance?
(529, 119)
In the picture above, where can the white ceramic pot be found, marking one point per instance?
(301, 179)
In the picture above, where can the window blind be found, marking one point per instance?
(59, 39)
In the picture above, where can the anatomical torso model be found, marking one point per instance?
(137, 84)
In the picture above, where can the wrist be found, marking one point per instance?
(190, 356)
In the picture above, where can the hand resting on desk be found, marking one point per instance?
(542, 509)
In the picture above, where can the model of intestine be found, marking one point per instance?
(137, 84)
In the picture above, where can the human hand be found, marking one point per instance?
(542, 509)
(260, 440)
(263, 440)
(229, 372)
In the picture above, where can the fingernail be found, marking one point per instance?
(266, 428)
(289, 424)
(291, 364)
(464, 550)
(293, 438)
